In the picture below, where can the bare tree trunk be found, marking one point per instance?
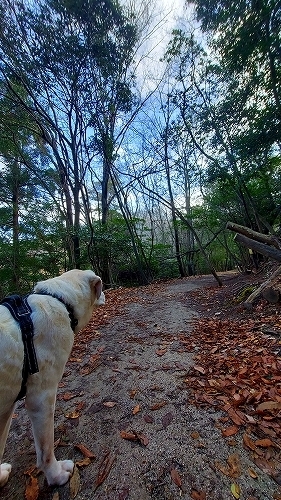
(15, 217)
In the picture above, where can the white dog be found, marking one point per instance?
(57, 305)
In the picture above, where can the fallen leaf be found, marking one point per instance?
(136, 409)
(143, 439)
(83, 463)
(167, 419)
(235, 490)
(199, 369)
(248, 442)
(235, 416)
(104, 469)
(32, 489)
(265, 466)
(80, 405)
(268, 405)
(134, 436)
(87, 453)
(264, 443)
(69, 395)
(195, 435)
(276, 496)
(156, 406)
(110, 404)
(252, 473)
(73, 414)
(161, 352)
(56, 496)
(74, 483)
(230, 431)
(131, 436)
(197, 495)
(148, 419)
(234, 464)
(232, 469)
(176, 477)
(32, 471)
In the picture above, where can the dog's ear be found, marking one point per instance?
(96, 287)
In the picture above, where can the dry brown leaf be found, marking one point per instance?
(161, 352)
(268, 405)
(264, 443)
(56, 496)
(195, 435)
(74, 483)
(235, 416)
(110, 404)
(32, 489)
(234, 463)
(148, 419)
(32, 471)
(230, 431)
(276, 496)
(73, 414)
(84, 462)
(156, 406)
(80, 405)
(69, 395)
(87, 453)
(265, 466)
(199, 369)
(134, 436)
(233, 467)
(176, 477)
(104, 469)
(252, 473)
(248, 442)
(143, 439)
(167, 419)
(136, 409)
(197, 495)
(131, 436)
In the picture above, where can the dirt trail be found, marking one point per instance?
(137, 386)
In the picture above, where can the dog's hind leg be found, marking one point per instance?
(5, 422)
(41, 410)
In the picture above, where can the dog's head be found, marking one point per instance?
(82, 290)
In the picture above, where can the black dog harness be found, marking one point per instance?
(21, 312)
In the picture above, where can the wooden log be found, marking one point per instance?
(249, 301)
(254, 235)
(266, 250)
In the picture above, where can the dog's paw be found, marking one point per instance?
(63, 473)
(5, 470)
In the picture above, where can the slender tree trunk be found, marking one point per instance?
(174, 219)
(15, 217)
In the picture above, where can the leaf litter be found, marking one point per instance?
(236, 370)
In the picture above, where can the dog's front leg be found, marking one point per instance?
(5, 422)
(41, 413)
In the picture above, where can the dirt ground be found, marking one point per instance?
(125, 379)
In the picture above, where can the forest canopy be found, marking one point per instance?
(116, 157)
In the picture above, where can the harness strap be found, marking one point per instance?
(21, 312)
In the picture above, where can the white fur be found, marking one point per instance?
(53, 340)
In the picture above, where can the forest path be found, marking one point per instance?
(129, 382)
